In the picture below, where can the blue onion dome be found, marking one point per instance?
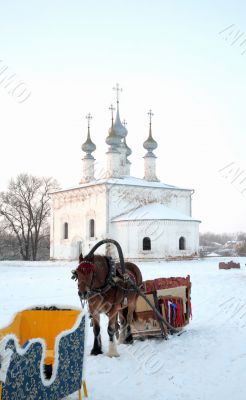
(119, 128)
(113, 139)
(88, 147)
(150, 144)
(128, 150)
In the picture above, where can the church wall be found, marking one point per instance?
(164, 237)
(123, 199)
(76, 208)
(104, 202)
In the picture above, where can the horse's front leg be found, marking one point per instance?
(97, 347)
(112, 350)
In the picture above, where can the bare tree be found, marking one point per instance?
(25, 207)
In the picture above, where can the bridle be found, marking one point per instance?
(86, 267)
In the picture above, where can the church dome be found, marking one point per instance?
(119, 129)
(128, 150)
(150, 144)
(88, 146)
(113, 139)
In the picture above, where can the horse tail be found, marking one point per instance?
(135, 316)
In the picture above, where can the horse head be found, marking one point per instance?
(84, 273)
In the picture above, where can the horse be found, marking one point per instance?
(109, 294)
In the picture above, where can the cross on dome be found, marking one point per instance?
(117, 90)
(151, 114)
(112, 109)
(89, 118)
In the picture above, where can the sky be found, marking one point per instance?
(59, 60)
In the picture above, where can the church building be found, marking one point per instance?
(150, 219)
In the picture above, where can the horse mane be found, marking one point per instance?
(95, 259)
(99, 256)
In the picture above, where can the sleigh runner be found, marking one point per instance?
(171, 297)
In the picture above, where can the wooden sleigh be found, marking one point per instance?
(171, 297)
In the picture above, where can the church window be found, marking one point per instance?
(65, 230)
(181, 243)
(146, 243)
(92, 228)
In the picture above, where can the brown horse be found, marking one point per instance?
(109, 295)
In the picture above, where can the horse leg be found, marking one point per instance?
(97, 347)
(117, 327)
(112, 350)
(123, 323)
(129, 319)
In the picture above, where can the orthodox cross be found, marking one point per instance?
(112, 109)
(124, 123)
(150, 113)
(118, 90)
(89, 118)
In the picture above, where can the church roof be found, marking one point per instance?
(130, 180)
(154, 211)
(125, 181)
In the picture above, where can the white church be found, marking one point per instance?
(150, 220)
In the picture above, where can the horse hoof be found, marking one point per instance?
(96, 352)
(129, 340)
(112, 350)
(112, 355)
(121, 338)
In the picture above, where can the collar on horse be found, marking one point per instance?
(111, 279)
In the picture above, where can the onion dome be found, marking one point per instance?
(119, 129)
(150, 144)
(128, 150)
(88, 147)
(113, 139)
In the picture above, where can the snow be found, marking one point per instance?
(153, 211)
(207, 362)
(127, 180)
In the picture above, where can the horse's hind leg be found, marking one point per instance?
(112, 350)
(97, 347)
(123, 324)
(129, 319)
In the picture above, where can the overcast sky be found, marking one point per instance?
(183, 59)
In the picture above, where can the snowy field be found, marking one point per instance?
(207, 362)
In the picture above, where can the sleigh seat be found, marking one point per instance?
(40, 340)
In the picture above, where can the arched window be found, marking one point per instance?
(146, 243)
(181, 243)
(92, 228)
(65, 230)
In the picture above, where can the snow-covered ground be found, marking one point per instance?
(207, 362)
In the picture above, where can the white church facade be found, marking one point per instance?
(150, 220)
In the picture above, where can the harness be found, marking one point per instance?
(109, 281)
(114, 278)
(119, 278)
